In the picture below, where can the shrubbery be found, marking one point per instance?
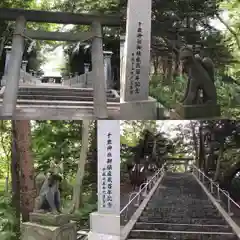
(7, 219)
(169, 95)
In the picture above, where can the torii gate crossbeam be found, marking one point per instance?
(11, 14)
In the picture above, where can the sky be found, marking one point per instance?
(56, 58)
(165, 126)
(168, 125)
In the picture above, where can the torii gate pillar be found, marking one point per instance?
(13, 76)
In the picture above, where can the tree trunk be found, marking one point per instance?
(155, 64)
(195, 142)
(218, 167)
(176, 71)
(15, 182)
(164, 68)
(23, 134)
(201, 153)
(154, 150)
(169, 77)
(81, 166)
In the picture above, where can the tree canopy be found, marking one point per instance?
(214, 144)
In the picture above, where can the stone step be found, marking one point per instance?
(57, 92)
(61, 103)
(180, 210)
(48, 97)
(38, 88)
(181, 214)
(160, 208)
(157, 206)
(172, 196)
(212, 220)
(60, 90)
(182, 227)
(59, 112)
(180, 235)
(179, 198)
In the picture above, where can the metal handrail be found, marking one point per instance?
(141, 189)
(130, 199)
(212, 183)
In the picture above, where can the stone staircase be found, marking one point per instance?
(180, 210)
(60, 101)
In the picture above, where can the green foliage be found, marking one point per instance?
(7, 219)
(132, 131)
(84, 212)
(104, 6)
(231, 34)
(61, 141)
(5, 140)
(75, 53)
(2, 186)
(227, 98)
(133, 137)
(169, 95)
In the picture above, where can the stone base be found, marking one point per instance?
(34, 231)
(141, 110)
(43, 112)
(49, 218)
(203, 111)
(160, 112)
(104, 226)
(100, 236)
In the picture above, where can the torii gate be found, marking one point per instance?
(21, 17)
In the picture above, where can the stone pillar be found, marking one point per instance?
(86, 67)
(99, 90)
(108, 69)
(105, 223)
(24, 65)
(85, 76)
(8, 54)
(13, 76)
(122, 43)
(135, 74)
(24, 68)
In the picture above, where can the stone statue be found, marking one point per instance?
(48, 199)
(200, 74)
